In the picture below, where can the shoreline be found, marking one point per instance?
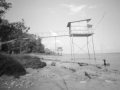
(64, 76)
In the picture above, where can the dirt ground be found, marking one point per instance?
(64, 76)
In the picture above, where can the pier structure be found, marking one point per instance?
(80, 29)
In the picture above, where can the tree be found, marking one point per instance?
(39, 45)
(12, 31)
(16, 32)
(4, 6)
(33, 44)
(19, 30)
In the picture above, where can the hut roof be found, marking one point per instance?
(69, 23)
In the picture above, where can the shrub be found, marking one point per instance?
(15, 64)
(31, 61)
(10, 66)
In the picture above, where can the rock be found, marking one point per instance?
(82, 81)
(8, 87)
(53, 64)
(12, 83)
(22, 83)
(108, 81)
(28, 83)
(29, 75)
(83, 64)
(99, 67)
(72, 69)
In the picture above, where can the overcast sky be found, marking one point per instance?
(53, 15)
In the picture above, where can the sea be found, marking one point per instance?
(111, 58)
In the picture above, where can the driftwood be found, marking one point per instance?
(83, 64)
(87, 75)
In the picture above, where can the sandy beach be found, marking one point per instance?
(64, 76)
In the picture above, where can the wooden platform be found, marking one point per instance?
(82, 35)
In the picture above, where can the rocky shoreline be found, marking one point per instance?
(63, 76)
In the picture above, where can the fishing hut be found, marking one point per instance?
(81, 28)
(59, 49)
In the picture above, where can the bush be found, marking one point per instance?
(15, 64)
(31, 61)
(10, 66)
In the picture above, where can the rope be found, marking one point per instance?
(102, 17)
(99, 21)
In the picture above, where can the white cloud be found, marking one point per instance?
(91, 7)
(53, 33)
(75, 9)
(58, 43)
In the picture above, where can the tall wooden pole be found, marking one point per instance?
(55, 47)
(73, 48)
(88, 49)
(94, 50)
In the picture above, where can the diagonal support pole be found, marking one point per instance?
(80, 49)
(84, 46)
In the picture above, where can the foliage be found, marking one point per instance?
(10, 66)
(18, 32)
(3, 7)
(30, 61)
(15, 64)
(39, 46)
(31, 44)
(12, 31)
(48, 51)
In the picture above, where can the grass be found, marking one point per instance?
(14, 65)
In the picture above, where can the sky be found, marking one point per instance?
(53, 16)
